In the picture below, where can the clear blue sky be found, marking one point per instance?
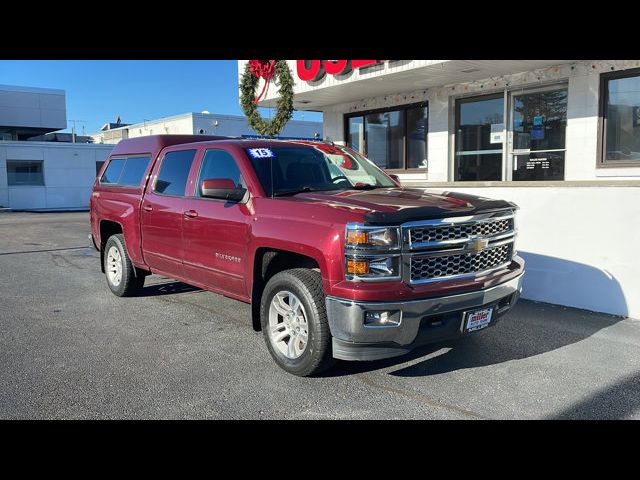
(100, 90)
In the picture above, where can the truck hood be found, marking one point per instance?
(391, 206)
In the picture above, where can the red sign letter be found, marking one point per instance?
(310, 73)
(335, 67)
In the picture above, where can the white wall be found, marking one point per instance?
(32, 107)
(69, 171)
(235, 126)
(580, 244)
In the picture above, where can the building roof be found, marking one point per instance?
(20, 88)
(111, 126)
(61, 137)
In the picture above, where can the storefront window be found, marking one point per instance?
(621, 115)
(356, 133)
(539, 134)
(385, 139)
(417, 137)
(478, 150)
(394, 139)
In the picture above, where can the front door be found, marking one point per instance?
(536, 143)
(215, 232)
(479, 138)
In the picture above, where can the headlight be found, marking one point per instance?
(378, 238)
(372, 253)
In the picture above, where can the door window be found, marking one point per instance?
(539, 134)
(220, 164)
(174, 172)
(479, 141)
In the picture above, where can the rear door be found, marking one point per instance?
(162, 210)
(215, 232)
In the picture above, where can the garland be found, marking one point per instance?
(266, 69)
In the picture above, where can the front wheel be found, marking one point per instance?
(294, 322)
(122, 277)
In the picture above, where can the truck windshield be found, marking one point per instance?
(286, 170)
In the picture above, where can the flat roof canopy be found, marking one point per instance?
(402, 76)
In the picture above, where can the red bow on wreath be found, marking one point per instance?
(262, 69)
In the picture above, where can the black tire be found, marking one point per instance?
(131, 282)
(307, 286)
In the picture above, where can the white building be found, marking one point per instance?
(203, 124)
(54, 175)
(561, 138)
(42, 175)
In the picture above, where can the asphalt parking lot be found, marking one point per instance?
(71, 349)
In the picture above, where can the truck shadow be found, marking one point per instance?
(614, 402)
(531, 328)
(169, 288)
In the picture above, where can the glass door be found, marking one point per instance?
(536, 143)
(479, 138)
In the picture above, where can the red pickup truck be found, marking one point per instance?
(337, 259)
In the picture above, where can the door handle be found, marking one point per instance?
(191, 214)
(147, 208)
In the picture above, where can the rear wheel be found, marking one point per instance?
(294, 322)
(122, 278)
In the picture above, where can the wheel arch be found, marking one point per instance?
(267, 261)
(108, 228)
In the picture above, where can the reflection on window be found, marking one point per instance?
(385, 139)
(480, 122)
(417, 137)
(113, 171)
(392, 139)
(219, 164)
(356, 133)
(174, 171)
(20, 172)
(540, 120)
(622, 116)
(474, 124)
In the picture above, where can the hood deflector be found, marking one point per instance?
(472, 205)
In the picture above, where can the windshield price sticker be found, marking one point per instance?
(261, 153)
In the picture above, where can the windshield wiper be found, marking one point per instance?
(365, 187)
(283, 193)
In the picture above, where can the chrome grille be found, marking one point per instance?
(461, 231)
(433, 267)
(457, 246)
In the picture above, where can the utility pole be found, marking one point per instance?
(73, 129)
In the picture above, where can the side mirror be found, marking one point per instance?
(395, 177)
(222, 189)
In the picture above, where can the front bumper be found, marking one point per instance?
(419, 321)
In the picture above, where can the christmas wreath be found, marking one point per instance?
(267, 69)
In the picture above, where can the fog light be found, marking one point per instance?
(357, 268)
(381, 319)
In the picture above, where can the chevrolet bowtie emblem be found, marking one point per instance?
(477, 244)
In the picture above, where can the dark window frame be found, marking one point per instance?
(125, 158)
(403, 109)
(602, 161)
(12, 185)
